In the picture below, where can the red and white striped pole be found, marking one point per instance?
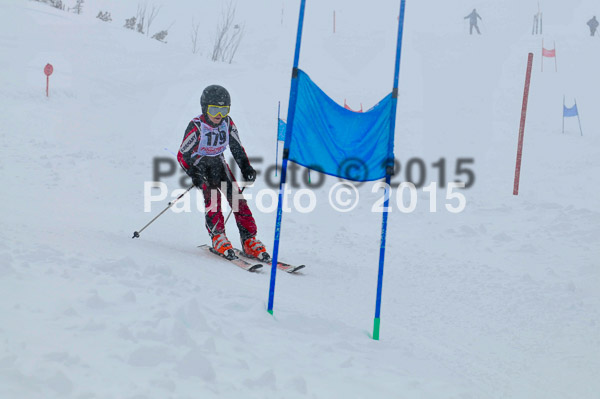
(522, 126)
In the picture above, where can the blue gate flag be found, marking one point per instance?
(567, 112)
(336, 141)
(281, 130)
(281, 137)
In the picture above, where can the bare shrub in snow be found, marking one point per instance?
(53, 3)
(229, 36)
(160, 36)
(194, 36)
(78, 6)
(145, 17)
(57, 4)
(104, 16)
(130, 23)
(153, 13)
(141, 17)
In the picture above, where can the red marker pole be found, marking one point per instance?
(48, 69)
(522, 126)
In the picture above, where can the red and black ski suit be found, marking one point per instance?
(201, 156)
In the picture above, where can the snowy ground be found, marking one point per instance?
(498, 301)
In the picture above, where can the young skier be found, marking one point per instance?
(201, 156)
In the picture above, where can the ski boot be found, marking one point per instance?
(222, 246)
(253, 248)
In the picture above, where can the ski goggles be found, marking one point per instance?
(216, 110)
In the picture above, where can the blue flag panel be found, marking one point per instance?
(281, 130)
(336, 141)
(570, 111)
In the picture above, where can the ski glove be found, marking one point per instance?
(249, 174)
(198, 181)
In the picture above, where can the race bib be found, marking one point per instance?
(213, 140)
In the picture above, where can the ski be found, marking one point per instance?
(286, 267)
(239, 262)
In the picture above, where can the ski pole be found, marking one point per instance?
(228, 216)
(136, 234)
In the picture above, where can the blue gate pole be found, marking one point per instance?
(277, 140)
(286, 150)
(388, 173)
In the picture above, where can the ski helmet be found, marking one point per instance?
(214, 95)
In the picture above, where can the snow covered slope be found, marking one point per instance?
(498, 301)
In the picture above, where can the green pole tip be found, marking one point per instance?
(270, 311)
(376, 324)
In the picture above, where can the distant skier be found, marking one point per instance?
(537, 23)
(472, 17)
(201, 156)
(593, 24)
